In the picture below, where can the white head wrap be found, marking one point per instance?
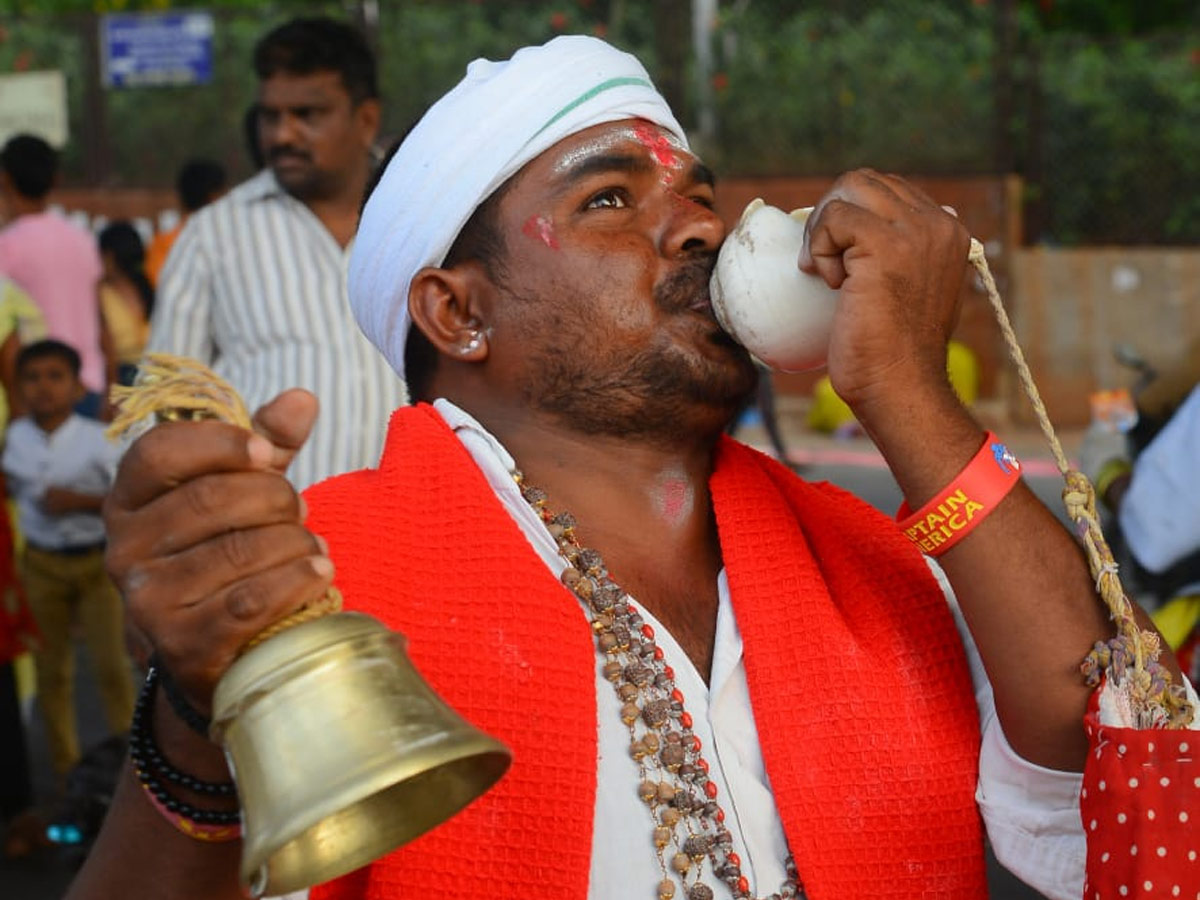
(499, 117)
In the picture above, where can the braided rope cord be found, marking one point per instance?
(174, 388)
(1129, 660)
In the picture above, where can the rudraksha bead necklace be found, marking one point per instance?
(674, 784)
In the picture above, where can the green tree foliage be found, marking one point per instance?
(1104, 118)
(1123, 138)
(1109, 18)
(426, 45)
(903, 86)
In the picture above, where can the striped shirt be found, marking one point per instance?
(255, 286)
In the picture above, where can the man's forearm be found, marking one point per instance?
(140, 854)
(1020, 578)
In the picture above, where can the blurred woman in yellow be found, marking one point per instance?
(126, 296)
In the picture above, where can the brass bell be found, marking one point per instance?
(341, 751)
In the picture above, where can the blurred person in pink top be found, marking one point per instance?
(54, 261)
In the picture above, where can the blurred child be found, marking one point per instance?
(59, 467)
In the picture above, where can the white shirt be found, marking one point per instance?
(76, 456)
(255, 286)
(1160, 513)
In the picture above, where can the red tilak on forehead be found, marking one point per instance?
(658, 144)
(540, 228)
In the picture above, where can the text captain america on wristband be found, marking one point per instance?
(965, 502)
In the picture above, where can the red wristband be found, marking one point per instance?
(965, 502)
(213, 834)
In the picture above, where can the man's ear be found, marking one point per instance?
(451, 310)
(368, 115)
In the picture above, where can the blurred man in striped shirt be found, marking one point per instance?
(256, 284)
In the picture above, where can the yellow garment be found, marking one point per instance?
(963, 369)
(126, 323)
(23, 668)
(156, 253)
(18, 313)
(1177, 618)
(26, 677)
(829, 412)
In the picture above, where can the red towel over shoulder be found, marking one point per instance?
(857, 677)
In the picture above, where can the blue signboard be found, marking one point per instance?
(153, 49)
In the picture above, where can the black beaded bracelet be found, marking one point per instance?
(191, 716)
(149, 762)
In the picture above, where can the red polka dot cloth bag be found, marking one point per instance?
(1140, 799)
(1141, 806)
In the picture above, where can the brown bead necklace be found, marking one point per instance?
(689, 824)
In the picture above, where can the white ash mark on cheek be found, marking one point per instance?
(135, 579)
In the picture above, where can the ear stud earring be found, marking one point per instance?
(473, 344)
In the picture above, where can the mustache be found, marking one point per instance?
(687, 286)
(285, 152)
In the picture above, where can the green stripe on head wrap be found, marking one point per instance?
(589, 94)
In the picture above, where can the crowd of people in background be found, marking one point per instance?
(250, 281)
(74, 311)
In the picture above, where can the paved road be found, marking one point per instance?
(853, 465)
